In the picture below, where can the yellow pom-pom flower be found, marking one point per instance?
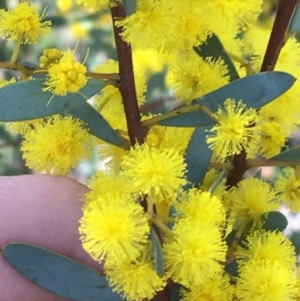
(23, 23)
(216, 288)
(288, 185)
(136, 280)
(251, 199)
(273, 138)
(57, 145)
(236, 14)
(106, 183)
(192, 77)
(169, 137)
(267, 281)
(149, 26)
(234, 130)
(113, 228)
(192, 252)
(111, 93)
(269, 246)
(67, 76)
(201, 206)
(158, 172)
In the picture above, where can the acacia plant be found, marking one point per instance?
(172, 216)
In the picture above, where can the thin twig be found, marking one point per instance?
(180, 111)
(263, 162)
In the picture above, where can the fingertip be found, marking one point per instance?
(42, 210)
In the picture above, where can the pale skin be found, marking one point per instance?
(42, 210)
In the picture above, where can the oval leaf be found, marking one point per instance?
(26, 100)
(58, 274)
(213, 48)
(197, 157)
(158, 254)
(274, 221)
(97, 125)
(290, 155)
(255, 91)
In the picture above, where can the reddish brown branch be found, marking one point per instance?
(128, 92)
(126, 85)
(163, 295)
(239, 168)
(276, 42)
(283, 16)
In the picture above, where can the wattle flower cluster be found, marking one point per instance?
(148, 217)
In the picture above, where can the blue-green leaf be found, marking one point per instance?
(158, 254)
(255, 91)
(213, 48)
(97, 125)
(58, 274)
(274, 221)
(232, 268)
(26, 100)
(130, 6)
(294, 25)
(197, 157)
(175, 292)
(290, 155)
